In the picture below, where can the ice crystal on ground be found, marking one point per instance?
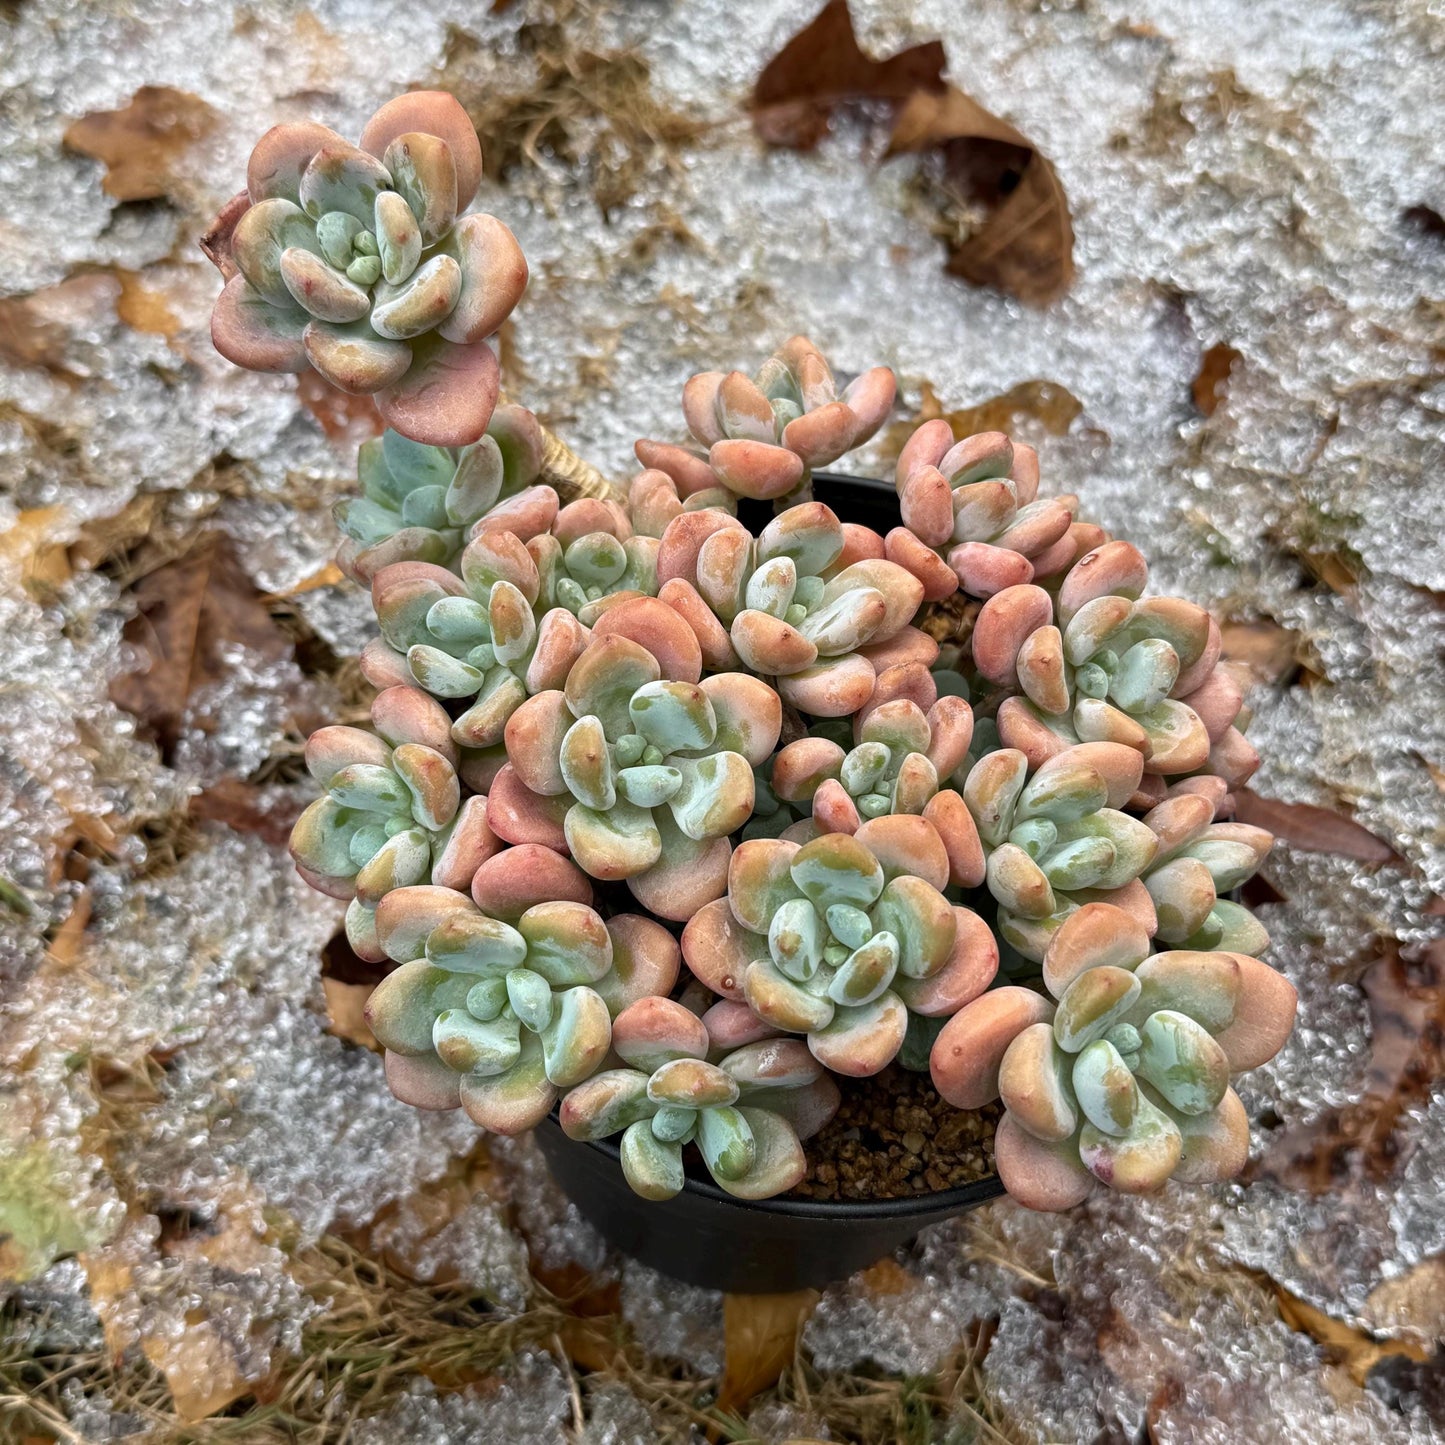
(1241, 174)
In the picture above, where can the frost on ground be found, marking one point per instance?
(183, 1113)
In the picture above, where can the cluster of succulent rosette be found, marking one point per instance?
(1008, 863)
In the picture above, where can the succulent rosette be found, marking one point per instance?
(501, 1018)
(765, 435)
(837, 940)
(653, 500)
(745, 1112)
(391, 813)
(590, 556)
(636, 765)
(473, 638)
(358, 260)
(419, 503)
(1121, 1075)
(1196, 861)
(1056, 836)
(790, 604)
(972, 516)
(902, 758)
(1103, 663)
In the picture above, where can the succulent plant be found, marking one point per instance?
(764, 436)
(1056, 836)
(358, 261)
(902, 757)
(501, 1018)
(838, 940)
(1122, 1074)
(472, 637)
(419, 503)
(392, 813)
(591, 557)
(634, 765)
(744, 1112)
(1197, 860)
(653, 500)
(975, 503)
(1103, 663)
(790, 604)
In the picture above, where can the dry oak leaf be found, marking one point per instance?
(1312, 829)
(190, 614)
(1052, 406)
(760, 1339)
(1356, 1349)
(1025, 245)
(821, 67)
(1211, 385)
(38, 330)
(140, 143)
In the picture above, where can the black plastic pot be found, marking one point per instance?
(704, 1236)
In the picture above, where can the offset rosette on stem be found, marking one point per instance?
(764, 436)
(1122, 1074)
(392, 814)
(501, 1019)
(654, 500)
(636, 767)
(790, 605)
(837, 941)
(746, 1113)
(472, 637)
(976, 503)
(1057, 837)
(590, 558)
(1102, 663)
(419, 503)
(902, 758)
(357, 261)
(1197, 860)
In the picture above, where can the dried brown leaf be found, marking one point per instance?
(1025, 243)
(346, 1012)
(1315, 830)
(1343, 1344)
(140, 143)
(189, 614)
(1211, 384)
(37, 330)
(244, 807)
(822, 66)
(1018, 235)
(1264, 651)
(35, 544)
(1053, 407)
(1406, 996)
(760, 1337)
(142, 308)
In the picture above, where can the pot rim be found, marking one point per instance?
(961, 1196)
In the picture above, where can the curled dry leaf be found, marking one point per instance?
(1357, 1350)
(1406, 995)
(760, 1337)
(189, 614)
(1211, 384)
(974, 162)
(140, 143)
(1315, 830)
(822, 66)
(1025, 245)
